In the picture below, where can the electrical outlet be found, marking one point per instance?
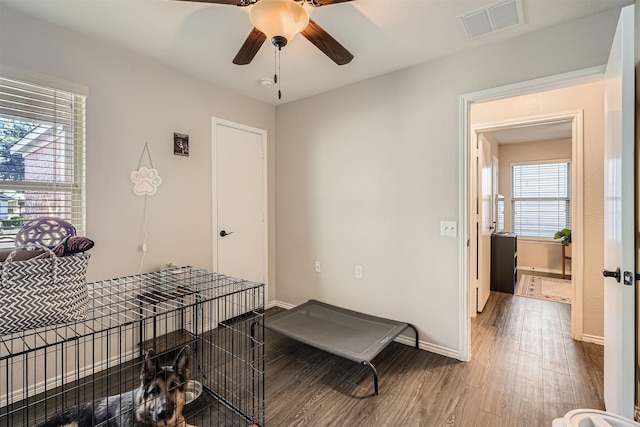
(448, 228)
(318, 267)
(358, 272)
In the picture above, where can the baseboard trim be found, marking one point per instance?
(593, 339)
(406, 340)
(281, 304)
(430, 347)
(271, 304)
(530, 269)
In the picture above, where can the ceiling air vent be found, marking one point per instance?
(495, 17)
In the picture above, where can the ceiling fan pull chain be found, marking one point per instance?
(279, 92)
(277, 70)
(275, 64)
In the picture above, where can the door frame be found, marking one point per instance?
(215, 121)
(577, 200)
(523, 88)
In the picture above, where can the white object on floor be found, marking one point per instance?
(593, 418)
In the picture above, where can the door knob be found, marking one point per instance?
(224, 233)
(614, 274)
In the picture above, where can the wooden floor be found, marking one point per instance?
(525, 371)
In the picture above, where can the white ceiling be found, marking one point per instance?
(201, 39)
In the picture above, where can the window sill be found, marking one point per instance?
(538, 241)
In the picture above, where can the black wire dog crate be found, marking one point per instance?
(56, 368)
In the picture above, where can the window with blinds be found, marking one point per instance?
(42, 140)
(540, 199)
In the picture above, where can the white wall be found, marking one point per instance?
(133, 100)
(366, 173)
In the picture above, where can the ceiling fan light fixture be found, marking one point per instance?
(279, 20)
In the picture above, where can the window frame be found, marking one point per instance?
(569, 192)
(77, 186)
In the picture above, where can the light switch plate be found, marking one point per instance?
(449, 228)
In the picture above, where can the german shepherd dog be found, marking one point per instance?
(158, 402)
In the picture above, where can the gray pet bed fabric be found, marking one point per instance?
(355, 336)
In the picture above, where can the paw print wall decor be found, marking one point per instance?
(145, 181)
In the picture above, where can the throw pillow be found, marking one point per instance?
(70, 246)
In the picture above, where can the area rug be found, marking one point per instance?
(546, 288)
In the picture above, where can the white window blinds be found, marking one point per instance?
(540, 199)
(42, 142)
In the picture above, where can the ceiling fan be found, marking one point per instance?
(274, 17)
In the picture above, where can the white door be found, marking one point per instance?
(484, 221)
(619, 240)
(239, 201)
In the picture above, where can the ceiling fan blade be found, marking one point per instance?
(328, 2)
(230, 2)
(250, 47)
(327, 44)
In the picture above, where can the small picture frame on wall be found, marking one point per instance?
(181, 144)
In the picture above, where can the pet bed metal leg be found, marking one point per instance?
(375, 376)
(416, 331)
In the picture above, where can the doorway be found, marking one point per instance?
(561, 111)
(518, 131)
(526, 145)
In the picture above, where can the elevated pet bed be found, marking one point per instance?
(345, 333)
